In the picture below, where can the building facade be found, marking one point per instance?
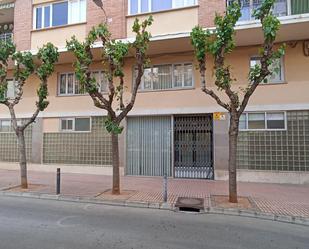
(174, 128)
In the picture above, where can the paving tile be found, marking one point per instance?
(278, 199)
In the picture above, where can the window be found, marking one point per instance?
(5, 126)
(275, 120)
(144, 6)
(69, 85)
(299, 7)
(248, 6)
(162, 77)
(161, 5)
(75, 124)
(170, 76)
(82, 124)
(67, 124)
(77, 11)
(263, 121)
(243, 122)
(39, 17)
(59, 13)
(256, 121)
(47, 16)
(11, 89)
(101, 80)
(276, 68)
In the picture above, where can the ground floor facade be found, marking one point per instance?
(174, 128)
(273, 146)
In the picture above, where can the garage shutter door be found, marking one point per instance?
(149, 141)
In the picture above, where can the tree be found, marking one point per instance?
(219, 44)
(113, 60)
(25, 65)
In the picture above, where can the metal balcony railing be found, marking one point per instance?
(6, 37)
(281, 8)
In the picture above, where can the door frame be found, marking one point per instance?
(212, 142)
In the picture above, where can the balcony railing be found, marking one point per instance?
(281, 8)
(6, 37)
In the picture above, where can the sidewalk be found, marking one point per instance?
(278, 199)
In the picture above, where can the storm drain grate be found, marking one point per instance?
(186, 204)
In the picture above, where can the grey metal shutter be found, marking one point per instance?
(149, 142)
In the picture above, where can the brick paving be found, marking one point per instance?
(281, 199)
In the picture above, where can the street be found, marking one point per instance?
(40, 224)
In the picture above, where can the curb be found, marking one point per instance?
(80, 199)
(163, 206)
(8, 187)
(297, 220)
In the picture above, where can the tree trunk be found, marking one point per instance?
(22, 159)
(233, 136)
(116, 174)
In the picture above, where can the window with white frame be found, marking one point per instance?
(69, 85)
(11, 89)
(280, 8)
(276, 68)
(67, 124)
(59, 13)
(5, 126)
(144, 6)
(75, 124)
(101, 80)
(170, 76)
(275, 120)
(262, 121)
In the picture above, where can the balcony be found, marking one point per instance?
(6, 37)
(6, 20)
(281, 8)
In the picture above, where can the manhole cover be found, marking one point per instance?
(190, 204)
(190, 201)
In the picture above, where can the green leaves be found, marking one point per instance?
(7, 49)
(48, 55)
(254, 72)
(42, 93)
(137, 27)
(113, 54)
(270, 26)
(221, 42)
(116, 51)
(101, 31)
(24, 67)
(82, 52)
(218, 43)
(3, 90)
(199, 40)
(224, 33)
(142, 37)
(264, 9)
(80, 49)
(270, 23)
(112, 127)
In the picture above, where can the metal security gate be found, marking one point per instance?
(193, 147)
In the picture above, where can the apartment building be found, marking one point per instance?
(174, 128)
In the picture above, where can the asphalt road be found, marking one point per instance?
(41, 224)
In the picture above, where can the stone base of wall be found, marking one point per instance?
(291, 177)
(78, 169)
